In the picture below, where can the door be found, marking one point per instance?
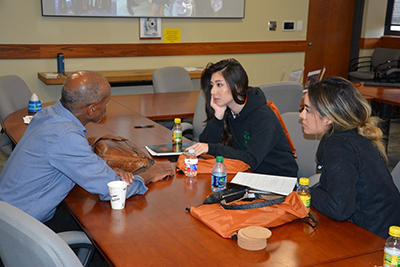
(329, 32)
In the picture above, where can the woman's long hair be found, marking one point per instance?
(338, 99)
(237, 80)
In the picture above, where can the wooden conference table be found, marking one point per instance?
(155, 230)
(386, 97)
(153, 106)
(118, 77)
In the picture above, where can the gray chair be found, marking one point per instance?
(396, 175)
(198, 124)
(382, 64)
(26, 241)
(15, 94)
(306, 145)
(172, 79)
(286, 95)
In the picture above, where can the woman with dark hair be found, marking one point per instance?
(355, 183)
(240, 125)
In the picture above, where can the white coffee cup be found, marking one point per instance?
(117, 191)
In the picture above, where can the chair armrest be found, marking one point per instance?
(387, 68)
(74, 237)
(360, 62)
(79, 240)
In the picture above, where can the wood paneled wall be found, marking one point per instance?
(47, 51)
(383, 42)
(44, 51)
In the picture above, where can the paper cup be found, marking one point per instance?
(117, 191)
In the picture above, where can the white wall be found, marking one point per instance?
(373, 22)
(22, 23)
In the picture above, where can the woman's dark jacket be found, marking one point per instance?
(355, 183)
(258, 137)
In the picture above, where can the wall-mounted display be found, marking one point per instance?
(145, 8)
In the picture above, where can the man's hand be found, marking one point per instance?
(157, 172)
(125, 176)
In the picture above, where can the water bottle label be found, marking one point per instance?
(306, 199)
(218, 181)
(191, 167)
(192, 162)
(34, 106)
(391, 260)
(177, 137)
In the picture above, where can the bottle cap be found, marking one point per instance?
(34, 97)
(304, 181)
(191, 151)
(177, 120)
(394, 231)
(34, 104)
(220, 158)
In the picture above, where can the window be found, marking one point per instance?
(392, 23)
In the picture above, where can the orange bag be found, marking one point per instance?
(206, 163)
(227, 222)
(278, 115)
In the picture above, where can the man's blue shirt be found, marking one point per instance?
(52, 156)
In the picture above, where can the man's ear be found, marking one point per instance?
(90, 110)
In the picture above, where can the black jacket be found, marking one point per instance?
(258, 137)
(355, 183)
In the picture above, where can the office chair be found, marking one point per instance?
(396, 175)
(306, 146)
(382, 64)
(198, 124)
(15, 94)
(286, 95)
(25, 241)
(171, 79)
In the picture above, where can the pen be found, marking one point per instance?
(144, 126)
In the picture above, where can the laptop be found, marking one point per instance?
(312, 77)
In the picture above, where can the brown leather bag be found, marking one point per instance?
(120, 153)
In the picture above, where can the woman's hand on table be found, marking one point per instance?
(199, 148)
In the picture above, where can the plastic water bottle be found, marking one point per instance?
(191, 164)
(60, 63)
(177, 132)
(304, 192)
(392, 248)
(218, 178)
(34, 104)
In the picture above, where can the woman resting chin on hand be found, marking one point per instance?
(240, 125)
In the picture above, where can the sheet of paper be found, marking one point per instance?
(27, 119)
(295, 76)
(276, 184)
